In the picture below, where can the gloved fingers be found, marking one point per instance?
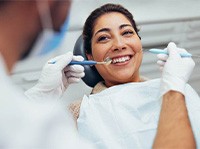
(74, 68)
(74, 73)
(161, 63)
(61, 61)
(189, 61)
(173, 52)
(73, 80)
(161, 69)
(69, 74)
(162, 57)
(64, 60)
(78, 58)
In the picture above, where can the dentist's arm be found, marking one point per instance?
(174, 129)
(56, 77)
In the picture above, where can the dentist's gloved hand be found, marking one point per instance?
(56, 77)
(176, 70)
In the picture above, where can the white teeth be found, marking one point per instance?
(121, 59)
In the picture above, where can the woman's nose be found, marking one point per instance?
(118, 44)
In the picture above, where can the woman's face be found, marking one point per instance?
(114, 37)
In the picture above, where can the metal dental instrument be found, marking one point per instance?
(107, 61)
(160, 51)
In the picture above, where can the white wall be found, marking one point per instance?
(161, 21)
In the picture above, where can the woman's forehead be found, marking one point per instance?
(109, 20)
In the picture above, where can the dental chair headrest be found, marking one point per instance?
(91, 77)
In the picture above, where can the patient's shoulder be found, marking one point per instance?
(74, 108)
(143, 79)
(98, 88)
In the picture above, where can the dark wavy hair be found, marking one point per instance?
(91, 20)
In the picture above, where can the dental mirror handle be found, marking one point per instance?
(160, 51)
(83, 63)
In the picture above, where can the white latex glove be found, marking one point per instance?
(55, 78)
(176, 70)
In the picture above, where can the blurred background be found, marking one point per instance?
(160, 21)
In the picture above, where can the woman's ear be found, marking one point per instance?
(89, 56)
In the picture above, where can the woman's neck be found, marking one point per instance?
(135, 79)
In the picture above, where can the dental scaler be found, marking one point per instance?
(107, 61)
(160, 51)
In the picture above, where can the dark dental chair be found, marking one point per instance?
(92, 77)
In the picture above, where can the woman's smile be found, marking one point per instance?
(121, 60)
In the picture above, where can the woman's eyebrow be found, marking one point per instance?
(107, 29)
(103, 30)
(124, 25)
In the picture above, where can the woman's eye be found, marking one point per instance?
(128, 33)
(102, 38)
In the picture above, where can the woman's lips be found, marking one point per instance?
(121, 59)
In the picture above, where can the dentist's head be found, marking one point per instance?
(23, 21)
